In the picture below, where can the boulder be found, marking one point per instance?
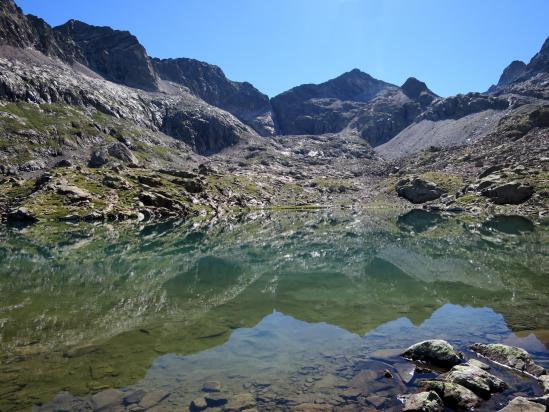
(511, 356)
(64, 163)
(122, 152)
(423, 402)
(454, 395)
(74, 193)
(542, 400)
(488, 171)
(544, 382)
(521, 404)
(21, 214)
(158, 200)
(437, 352)
(475, 379)
(512, 193)
(99, 157)
(417, 190)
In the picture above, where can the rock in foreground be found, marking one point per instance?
(437, 352)
(454, 395)
(423, 402)
(511, 356)
(475, 379)
(521, 404)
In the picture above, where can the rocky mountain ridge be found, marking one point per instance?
(90, 100)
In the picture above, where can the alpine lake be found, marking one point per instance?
(282, 310)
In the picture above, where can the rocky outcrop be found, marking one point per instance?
(512, 72)
(204, 131)
(326, 107)
(19, 30)
(116, 55)
(210, 84)
(356, 101)
(462, 105)
(418, 91)
(526, 79)
(181, 115)
(119, 57)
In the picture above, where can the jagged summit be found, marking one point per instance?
(418, 90)
(512, 72)
(522, 78)
(208, 82)
(115, 54)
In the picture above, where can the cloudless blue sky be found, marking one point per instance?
(453, 45)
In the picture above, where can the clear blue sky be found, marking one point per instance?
(453, 45)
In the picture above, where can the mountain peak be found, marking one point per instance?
(512, 72)
(116, 55)
(417, 90)
(413, 87)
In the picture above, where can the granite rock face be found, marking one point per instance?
(210, 84)
(512, 72)
(19, 30)
(526, 79)
(116, 55)
(206, 128)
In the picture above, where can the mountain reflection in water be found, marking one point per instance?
(86, 307)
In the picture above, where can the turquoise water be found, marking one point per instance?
(290, 307)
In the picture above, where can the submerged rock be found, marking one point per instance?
(215, 399)
(107, 399)
(511, 356)
(211, 386)
(240, 402)
(153, 398)
(417, 190)
(521, 404)
(437, 352)
(199, 404)
(477, 380)
(423, 402)
(454, 395)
